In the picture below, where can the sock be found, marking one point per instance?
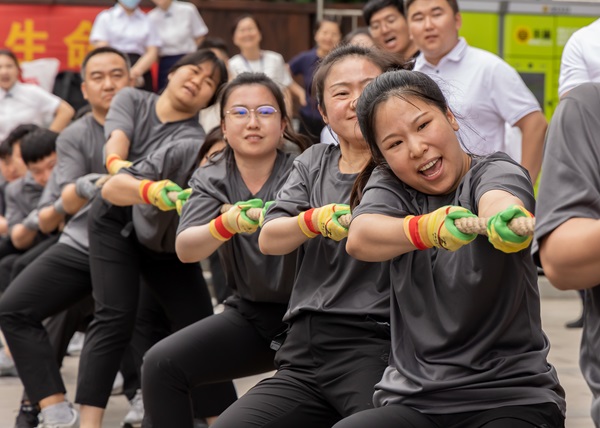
(58, 413)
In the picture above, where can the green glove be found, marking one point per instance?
(182, 198)
(235, 220)
(261, 220)
(328, 221)
(501, 237)
(437, 229)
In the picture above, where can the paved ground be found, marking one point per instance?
(557, 308)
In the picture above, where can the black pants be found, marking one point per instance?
(117, 263)
(148, 81)
(12, 264)
(327, 368)
(226, 346)
(58, 279)
(545, 415)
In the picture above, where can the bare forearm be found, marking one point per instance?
(3, 226)
(22, 238)
(63, 117)
(122, 190)
(72, 202)
(281, 236)
(50, 219)
(145, 62)
(533, 127)
(377, 238)
(571, 266)
(195, 244)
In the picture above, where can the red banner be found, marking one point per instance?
(57, 31)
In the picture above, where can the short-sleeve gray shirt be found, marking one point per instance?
(155, 229)
(570, 188)
(22, 197)
(328, 279)
(466, 327)
(133, 111)
(251, 274)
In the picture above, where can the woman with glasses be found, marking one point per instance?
(242, 340)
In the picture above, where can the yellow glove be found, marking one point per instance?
(501, 237)
(182, 198)
(235, 220)
(157, 193)
(114, 163)
(437, 229)
(324, 221)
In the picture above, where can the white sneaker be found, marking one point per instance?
(7, 365)
(135, 416)
(117, 388)
(76, 344)
(72, 423)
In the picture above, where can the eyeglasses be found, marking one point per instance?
(243, 114)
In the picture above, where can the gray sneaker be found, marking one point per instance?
(7, 365)
(72, 423)
(135, 416)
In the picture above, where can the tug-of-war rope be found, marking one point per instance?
(522, 226)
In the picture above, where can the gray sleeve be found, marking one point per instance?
(71, 161)
(14, 211)
(570, 184)
(51, 191)
(294, 196)
(121, 114)
(208, 195)
(384, 194)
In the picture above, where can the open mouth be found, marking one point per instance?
(431, 169)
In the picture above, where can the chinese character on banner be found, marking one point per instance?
(78, 44)
(23, 39)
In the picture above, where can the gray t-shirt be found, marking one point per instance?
(466, 327)
(251, 274)
(79, 152)
(570, 188)
(133, 111)
(22, 197)
(155, 229)
(3, 184)
(328, 279)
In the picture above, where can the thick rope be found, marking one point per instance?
(522, 226)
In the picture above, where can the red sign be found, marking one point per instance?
(56, 31)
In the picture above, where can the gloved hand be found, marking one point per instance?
(157, 193)
(501, 237)
(235, 220)
(32, 221)
(261, 220)
(182, 198)
(85, 186)
(324, 221)
(114, 163)
(437, 229)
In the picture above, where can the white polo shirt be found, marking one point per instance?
(484, 91)
(179, 26)
(270, 63)
(580, 60)
(25, 103)
(127, 33)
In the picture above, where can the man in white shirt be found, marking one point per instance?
(484, 90)
(580, 60)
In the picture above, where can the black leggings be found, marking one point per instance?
(218, 348)
(327, 368)
(117, 263)
(546, 415)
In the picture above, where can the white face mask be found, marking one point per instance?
(130, 4)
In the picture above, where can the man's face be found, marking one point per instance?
(389, 29)
(434, 27)
(41, 170)
(105, 75)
